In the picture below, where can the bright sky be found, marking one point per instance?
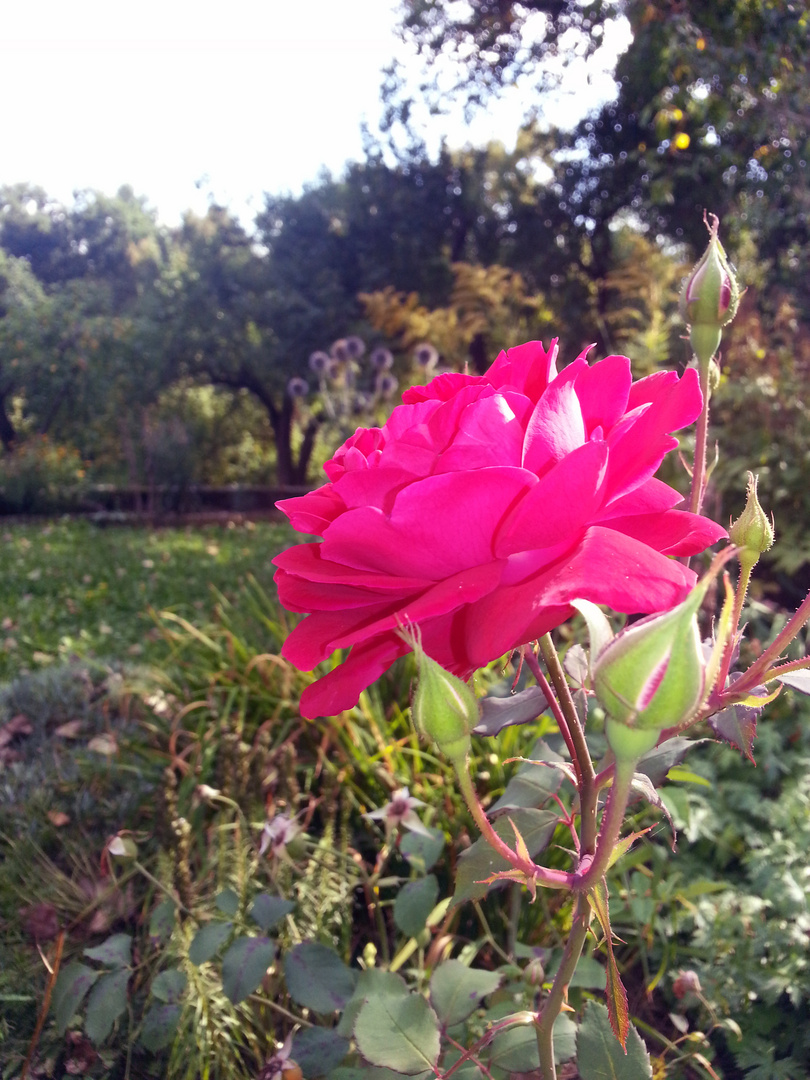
(182, 98)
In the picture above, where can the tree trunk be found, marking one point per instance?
(307, 446)
(478, 354)
(7, 433)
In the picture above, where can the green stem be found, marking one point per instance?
(587, 789)
(593, 870)
(553, 879)
(589, 873)
(534, 666)
(559, 990)
(758, 669)
(746, 567)
(792, 665)
(701, 440)
(166, 891)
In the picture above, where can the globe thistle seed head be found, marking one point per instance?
(425, 355)
(319, 361)
(382, 359)
(340, 350)
(356, 346)
(386, 386)
(297, 387)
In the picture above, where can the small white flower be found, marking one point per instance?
(400, 811)
(277, 833)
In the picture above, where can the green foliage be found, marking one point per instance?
(599, 1055)
(198, 953)
(41, 478)
(76, 589)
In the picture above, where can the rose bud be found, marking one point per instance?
(651, 676)
(687, 982)
(444, 708)
(752, 532)
(709, 297)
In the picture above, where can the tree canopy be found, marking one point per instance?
(111, 323)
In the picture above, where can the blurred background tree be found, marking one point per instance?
(136, 344)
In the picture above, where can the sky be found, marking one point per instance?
(191, 100)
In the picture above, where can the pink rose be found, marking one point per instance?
(481, 509)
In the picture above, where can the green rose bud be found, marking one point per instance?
(709, 297)
(651, 676)
(444, 708)
(752, 532)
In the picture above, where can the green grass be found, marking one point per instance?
(71, 588)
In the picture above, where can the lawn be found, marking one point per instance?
(72, 588)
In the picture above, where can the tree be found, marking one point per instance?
(712, 107)
(21, 304)
(81, 341)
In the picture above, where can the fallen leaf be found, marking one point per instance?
(17, 725)
(103, 744)
(40, 921)
(71, 730)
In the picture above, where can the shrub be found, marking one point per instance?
(41, 477)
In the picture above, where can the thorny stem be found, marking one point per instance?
(760, 667)
(589, 873)
(559, 990)
(592, 870)
(534, 666)
(553, 879)
(701, 439)
(792, 665)
(581, 753)
(746, 566)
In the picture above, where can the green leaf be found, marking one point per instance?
(372, 1072)
(657, 762)
(422, 851)
(370, 982)
(468, 1071)
(599, 1052)
(797, 680)
(72, 984)
(600, 632)
(737, 725)
(456, 991)
(317, 978)
(244, 966)
(208, 940)
(107, 1001)
(318, 1050)
(589, 973)
(565, 1038)
(532, 784)
(498, 713)
(268, 910)
(161, 923)
(116, 951)
(685, 776)
(516, 1048)
(480, 861)
(399, 1032)
(169, 985)
(159, 1026)
(414, 903)
(228, 902)
(616, 993)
